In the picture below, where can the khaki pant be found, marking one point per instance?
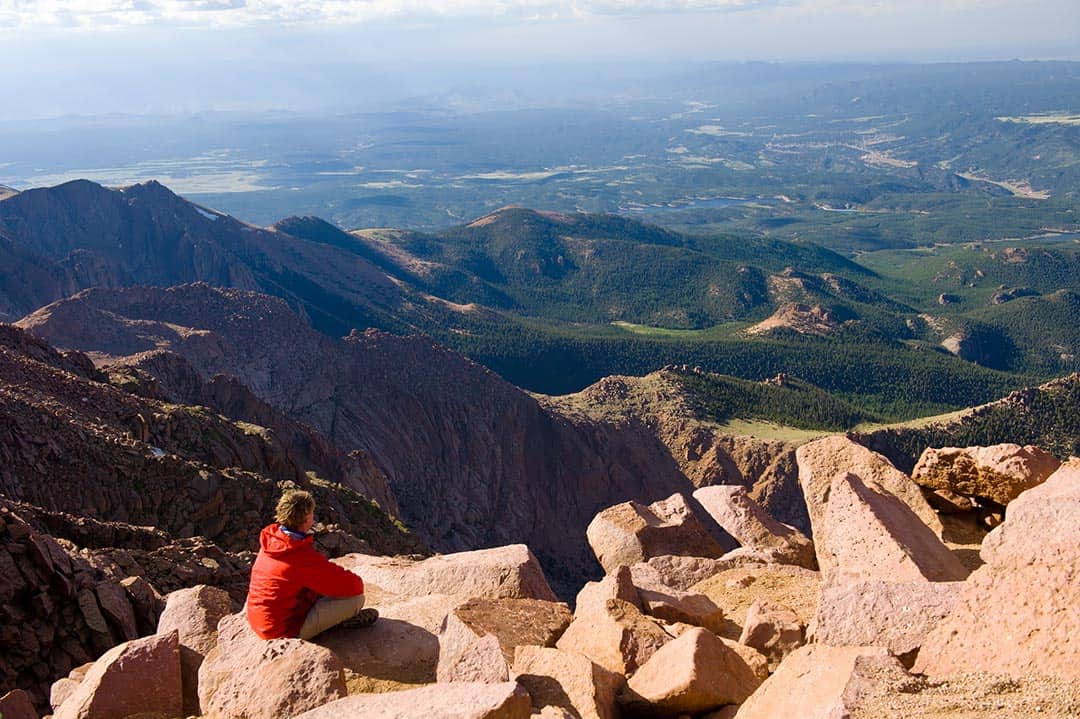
(329, 612)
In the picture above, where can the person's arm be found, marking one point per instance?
(328, 579)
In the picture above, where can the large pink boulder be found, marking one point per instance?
(694, 673)
(1017, 615)
(459, 700)
(568, 680)
(629, 533)
(894, 615)
(194, 614)
(811, 683)
(402, 646)
(998, 473)
(245, 676)
(616, 636)
(752, 527)
(820, 461)
(512, 622)
(140, 676)
(866, 533)
(510, 572)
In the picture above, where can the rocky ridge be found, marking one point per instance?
(477, 634)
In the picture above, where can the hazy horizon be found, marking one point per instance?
(98, 57)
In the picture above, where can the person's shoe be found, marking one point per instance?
(365, 618)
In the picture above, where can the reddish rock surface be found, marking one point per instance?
(512, 622)
(618, 636)
(194, 614)
(1017, 615)
(866, 533)
(750, 525)
(674, 605)
(140, 676)
(810, 684)
(998, 473)
(509, 572)
(629, 533)
(894, 615)
(772, 629)
(16, 704)
(820, 461)
(245, 676)
(460, 700)
(567, 680)
(694, 673)
(616, 585)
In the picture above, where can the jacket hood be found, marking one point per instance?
(276, 543)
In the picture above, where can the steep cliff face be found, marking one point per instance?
(72, 442)
(472, 460)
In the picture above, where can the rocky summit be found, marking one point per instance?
(619, 552)
(137, 472)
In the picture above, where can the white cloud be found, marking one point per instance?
(233, 13)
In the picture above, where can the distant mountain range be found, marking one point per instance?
(612, 293)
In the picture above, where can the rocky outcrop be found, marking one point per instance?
(16, 704)
(114, 459)
(448, 434)
(628, 533)
(141, 676)
(772, 629)
(820, 461)
(616, 636)
(1016, 615)
(194, 615)
(674, 605)
(59, 611)
(998, 473)
(752, 527)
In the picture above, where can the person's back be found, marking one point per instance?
(289, 577)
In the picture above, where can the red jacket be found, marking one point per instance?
(287, 579)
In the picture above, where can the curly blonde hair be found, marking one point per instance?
(293, 508)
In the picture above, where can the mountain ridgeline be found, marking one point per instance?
(553, 302)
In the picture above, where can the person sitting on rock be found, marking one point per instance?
(295, 591)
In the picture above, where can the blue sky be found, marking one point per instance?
(71, 55)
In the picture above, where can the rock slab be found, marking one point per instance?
(509, 572)
(998, 473)
(461, 700)
(140, 676)
(245, 676)
(568, 681)
(630, 532)
(750, 525)
(1017, 615)
(695, 673)
(820, 461)
(864, 532)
